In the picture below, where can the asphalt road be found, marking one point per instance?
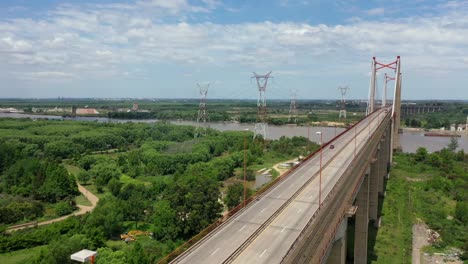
(265, 230)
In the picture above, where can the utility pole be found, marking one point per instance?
(292, 108)
(202, 112)
(262, 114)
(343, 90)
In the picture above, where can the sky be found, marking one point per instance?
(163, 48)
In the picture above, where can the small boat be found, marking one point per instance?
(439, 134)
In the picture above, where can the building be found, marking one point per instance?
(86, 111)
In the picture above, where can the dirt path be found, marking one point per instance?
(419, 241)
(82, 209)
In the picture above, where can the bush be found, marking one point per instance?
(64, 208)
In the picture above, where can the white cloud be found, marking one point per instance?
(375, 11)
(11, 45)
(101, 40)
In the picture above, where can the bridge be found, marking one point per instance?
(303, 216)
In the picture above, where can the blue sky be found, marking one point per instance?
(162, 48)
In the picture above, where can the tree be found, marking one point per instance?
(83, 177)
(453, 145)
(234, 195)
(107, 256)
(195, 200)
(137, 255)
(421, 154)
(165, 221)
(107, 217)
(461, 212)
(114, 186)
(103, 173)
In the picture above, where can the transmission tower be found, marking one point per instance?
(343, 90)
(202, 112)
(292, 107)
(262, 114)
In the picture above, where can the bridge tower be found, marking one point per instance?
(292, 107)
(384, 95)
(343, 90)
(202, 112)
(262, 114)
(396, 109)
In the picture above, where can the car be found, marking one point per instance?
(332, 146)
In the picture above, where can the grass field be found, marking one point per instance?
(394, 238)
(20, 256)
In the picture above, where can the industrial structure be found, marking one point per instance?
(202, 118)
(293, 108)
(343, 90)
(261, 126)
(302, 217)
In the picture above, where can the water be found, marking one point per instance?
(275, 132)
(410, 140)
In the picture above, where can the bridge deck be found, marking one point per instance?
(265, 230)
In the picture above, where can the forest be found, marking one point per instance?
(157, 178)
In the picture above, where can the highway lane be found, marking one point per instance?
(277, 237)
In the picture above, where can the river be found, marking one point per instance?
(410, 140)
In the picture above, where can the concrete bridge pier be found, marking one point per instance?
(374, 184)
(362, 223)
(337, 254)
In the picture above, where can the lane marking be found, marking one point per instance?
(242, 228)
(214, 252)
(262, 253)
(299, 211)
(282, 229)
(262, 210)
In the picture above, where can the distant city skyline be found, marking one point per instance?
(162, 48)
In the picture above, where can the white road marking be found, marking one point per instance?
(262, 210)
(299, 211)
(262, 253)
(282, 229)
(214, 252)
(242, 228)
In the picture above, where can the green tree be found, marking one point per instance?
(234, 195)
(195, 200)
(107, 256)
(83, 177)
(453, 145)
(421, 154)
(107, 217)
(165, 221)
(137, 255)
(103, 173)
(461, 212)
(114, 186)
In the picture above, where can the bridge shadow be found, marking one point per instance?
(372, 236)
